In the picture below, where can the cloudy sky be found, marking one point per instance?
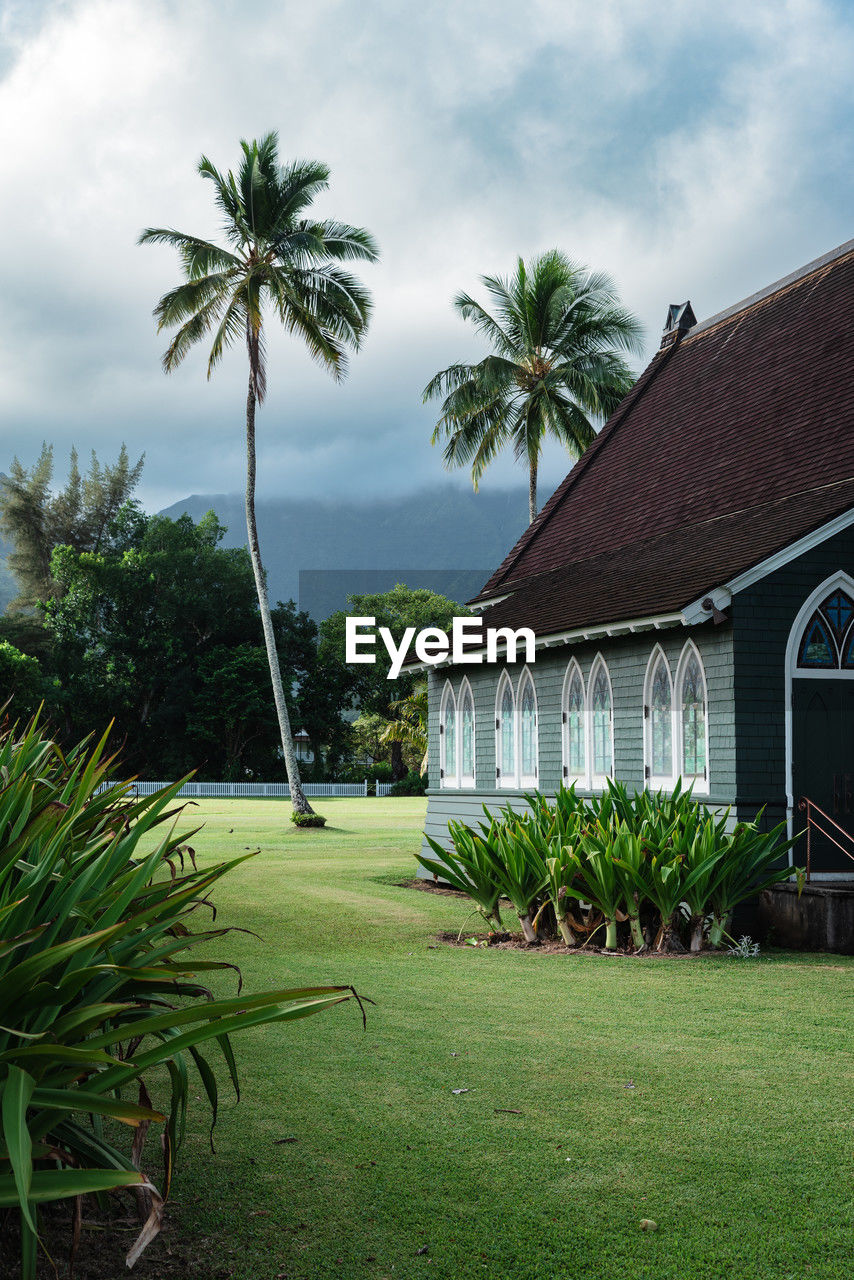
(696, 150)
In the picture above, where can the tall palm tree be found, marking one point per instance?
(557, 332)
(275, 257)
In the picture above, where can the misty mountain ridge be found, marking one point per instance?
(440, 535)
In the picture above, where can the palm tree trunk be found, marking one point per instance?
(298, 799)
(532, 492)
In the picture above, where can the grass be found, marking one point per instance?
(712, 1096)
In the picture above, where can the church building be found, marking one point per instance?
(690, 586)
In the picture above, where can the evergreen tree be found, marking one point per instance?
(35, 519)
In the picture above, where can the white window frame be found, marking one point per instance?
(836, 582)
(465, 779)
(569, 777)
(598, 781)
(654, 781)
(701, 786)
(446, 779)
(506, 781)
(527, 779)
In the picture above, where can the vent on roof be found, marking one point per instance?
(680, 318)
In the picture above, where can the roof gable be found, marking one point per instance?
(735, 441)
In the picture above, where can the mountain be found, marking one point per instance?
(318, 552)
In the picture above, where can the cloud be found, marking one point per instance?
(693, 151)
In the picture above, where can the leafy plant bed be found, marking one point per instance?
(652, 870)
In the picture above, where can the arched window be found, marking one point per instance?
(828, 638)
(693, 720)
(574, 726)
(448, 738)
(601, 724)
(505, 734)
(528, 730)
(466, 715)
(658, 716)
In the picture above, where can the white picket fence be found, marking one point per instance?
(384, 788)
(254, 790)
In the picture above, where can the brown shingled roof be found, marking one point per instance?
(735, 442)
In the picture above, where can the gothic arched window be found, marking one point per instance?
(828, 637)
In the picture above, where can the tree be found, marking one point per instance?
(132, 623)
(279, 258)
(557, 331)
(230, 710)
(24, 686)
(369, 687)
(409, 726)
(79, 516)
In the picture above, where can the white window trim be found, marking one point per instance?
(527, 779)
(506, 781)
(700, 786)
(836, 582)
(466, 780)
(598, 781)
(446, 779)
(654, 781)
(570, 778)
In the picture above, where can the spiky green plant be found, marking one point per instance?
(600, 881)
(628, 855)
(755, 860)
(703, 846)
(516, 850)
(97, 990)
(467, 867)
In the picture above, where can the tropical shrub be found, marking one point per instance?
(98, 993)
(469, 868)
(412, 785)
(307, 819)
(615, 860)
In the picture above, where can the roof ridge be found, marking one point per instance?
(769, 290)
(536, 527)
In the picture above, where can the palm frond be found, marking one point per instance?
(228, 201)
(188, 298)
(506, 343)
(198, 257)
(345, 243)
(299, 317)
(192, 332)
(231, 328)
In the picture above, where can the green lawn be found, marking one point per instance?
(714, 1096)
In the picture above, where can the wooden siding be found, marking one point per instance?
(763, 616)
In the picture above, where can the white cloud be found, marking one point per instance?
(692, 150)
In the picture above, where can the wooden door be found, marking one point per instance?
(823, 764)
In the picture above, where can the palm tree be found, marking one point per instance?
(409, 727)
(557, 331)
(275, 257)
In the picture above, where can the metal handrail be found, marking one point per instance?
(809, 807)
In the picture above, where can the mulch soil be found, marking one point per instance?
(545, 946)
(104, 1242)
(556, 946)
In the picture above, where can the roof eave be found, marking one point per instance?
(721, 596)
(577, 635)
